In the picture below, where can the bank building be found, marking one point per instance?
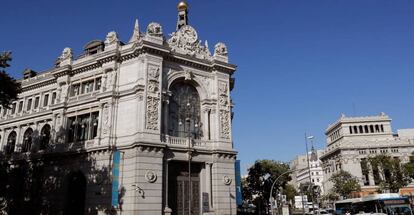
(137, 127)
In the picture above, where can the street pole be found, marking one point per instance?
(271, 188)
(309, 170)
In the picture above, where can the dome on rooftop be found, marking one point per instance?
(182, 5)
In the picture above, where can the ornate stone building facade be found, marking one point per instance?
(162, 104)
(352, 140)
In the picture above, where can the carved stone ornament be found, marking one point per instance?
(223, 88)
(220, 49)
(111, 38)
(66, 54)
(154, 29)
(153, 78)
(227, 180)
(105, 117)
(188, 76)
(151, 176)
(185, 41)
(225, 124)
(152, 112)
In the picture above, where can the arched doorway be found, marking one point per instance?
(27, 140)
(11, 142)
(76, 190)
(44, 137)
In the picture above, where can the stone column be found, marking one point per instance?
(208, 184)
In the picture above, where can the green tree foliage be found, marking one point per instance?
(393, 175)
(9, 88)
(408, 168)
(257, 185)
(344, 183)
(290, 192)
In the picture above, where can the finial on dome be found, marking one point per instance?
(182, 6)
(182, 14)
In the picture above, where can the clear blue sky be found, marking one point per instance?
(301, 63)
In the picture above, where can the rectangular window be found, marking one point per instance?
(83, 127)
(74, 91)
(13, 108)
(98, 82)
(46, 100)
(29, 104)
(53, 98)
(87, 87)
(36, 105)
(20, 106)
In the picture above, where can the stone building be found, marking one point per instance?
(138, 127)
(301, 176)
(352, 140)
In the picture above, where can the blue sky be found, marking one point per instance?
(301, 63)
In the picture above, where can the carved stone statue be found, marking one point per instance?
(111, 38)
(66, 55)
(154, 29)
(220, 49)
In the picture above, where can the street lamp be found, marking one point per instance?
(274, 182)
(190, 113)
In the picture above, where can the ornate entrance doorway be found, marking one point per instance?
(181, 191)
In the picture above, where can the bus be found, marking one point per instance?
(386, 203)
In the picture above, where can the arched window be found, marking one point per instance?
(366, 129)
(184, 111)
(376, 128)
(371, 128)
(27, 140)
(44, 137)
(355, 129)
(11, 142)
(382, 128)
(350, 129)
(361, 131)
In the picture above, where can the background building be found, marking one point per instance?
(142, 127)
(351, 140)
(302, 175)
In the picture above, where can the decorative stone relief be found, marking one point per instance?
(227, 180)
(151, 176)
(223, 88)
(185, 41)
(188, 76)
(153, 78)
(63, 92)
(220, 49)
(105, 117)
(154, 29)
(152, 112)
(225, 124)
(111, 38)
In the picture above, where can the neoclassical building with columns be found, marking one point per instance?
(137, 127)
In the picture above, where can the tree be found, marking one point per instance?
(260, 177)
(290, 192)
(9, 88)
(344, 183)
(408, 168)
(391, 172)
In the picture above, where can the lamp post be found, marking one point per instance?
(190, 114)
(274, 182)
